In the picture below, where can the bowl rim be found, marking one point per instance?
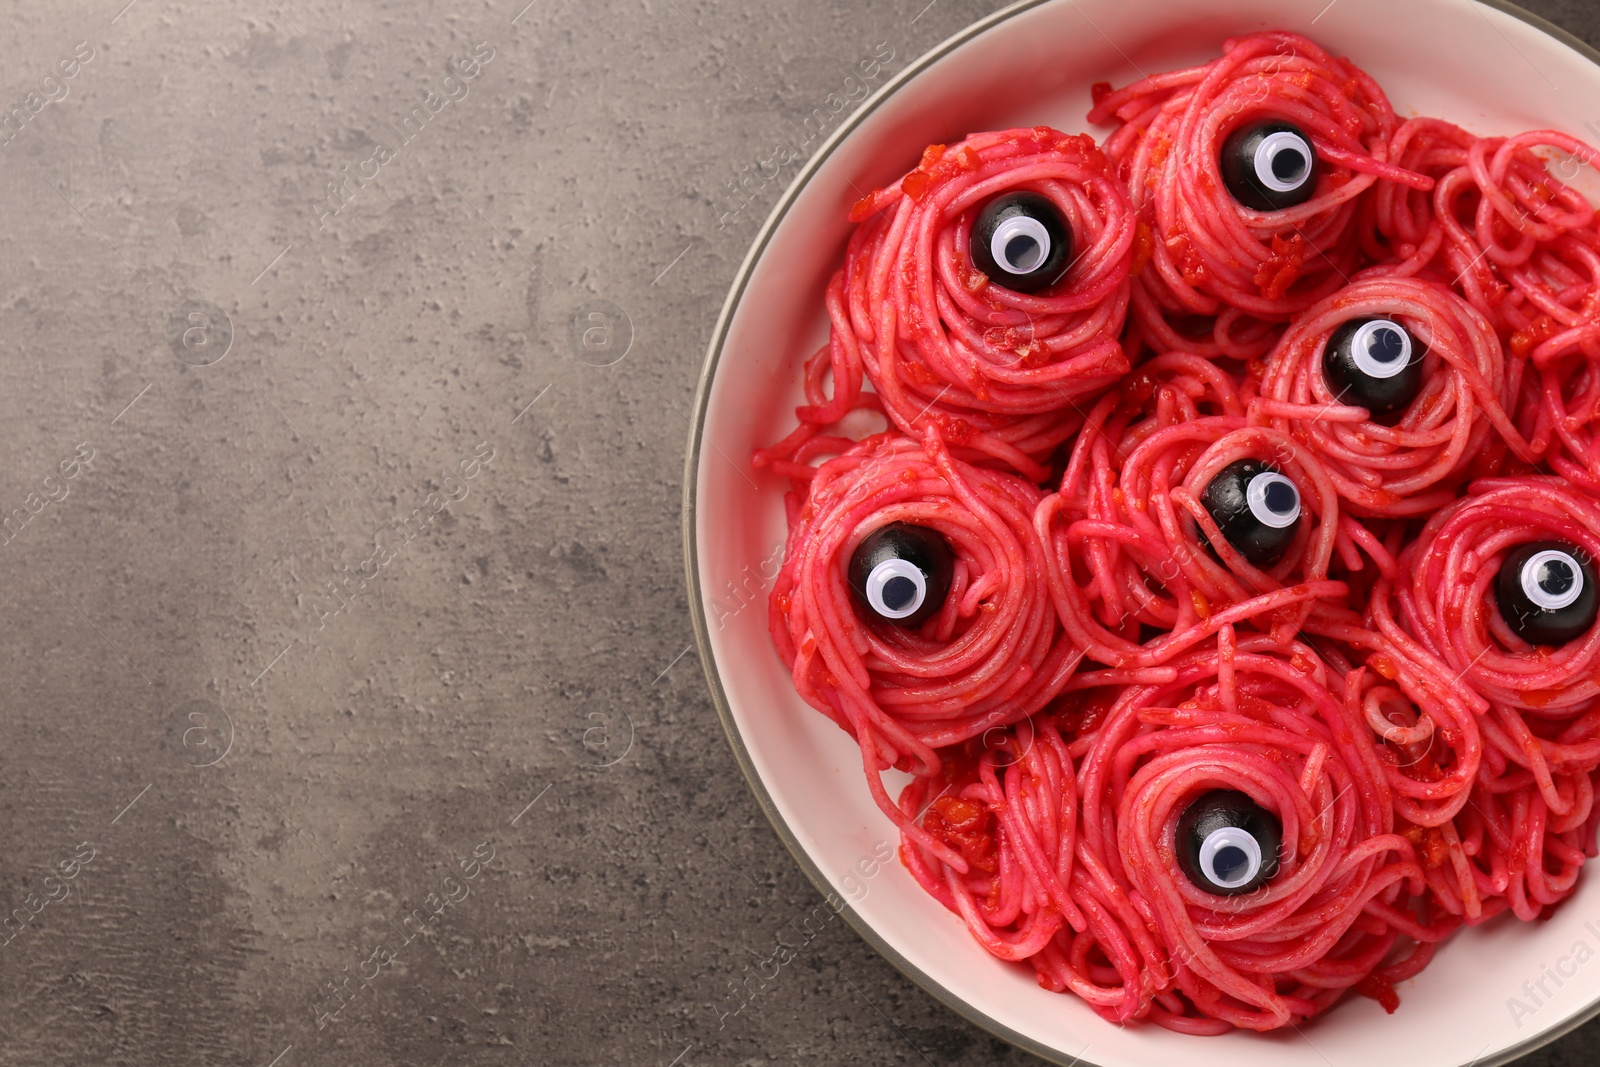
(702, 632)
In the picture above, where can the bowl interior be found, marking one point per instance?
(1490, 992)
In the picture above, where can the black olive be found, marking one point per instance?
(1546, 592)
(1373, 363)
(1256, 508)
(902, 573)
(1021, 242)
(1227, 843)
(1269, 166)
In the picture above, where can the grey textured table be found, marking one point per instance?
(349, 712)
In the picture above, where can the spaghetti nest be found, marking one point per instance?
(1002, 374)
(1132, 548)
(1069, 825)
(1202, 252)
(1413, 462)
(993, 654)
(1523, 247)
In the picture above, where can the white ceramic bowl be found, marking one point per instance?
(1492, 69)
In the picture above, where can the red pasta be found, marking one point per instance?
(1448, 602)
(1229, 592)
(1236, 268)
(1125, 537)
(1410, 464)
(1007, 805)
(1517, 241)
(1001, 373)
(1517, 854)
(992, 655)
(1487, 840)
(1424, 721)
(1095, 903)
(1531, 821)
(1523, 247)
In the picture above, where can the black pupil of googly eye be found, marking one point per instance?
(1021, 241)
(1230, 861)
(1386, 345)
(1545, 592)
(1374, 363)
(1555, 576)
(898, 592)
(1022, 252)
(1269, 165)
(1226, 843)
(1256, 508)
(1288, 165)
(1281, 497)
(895, 565)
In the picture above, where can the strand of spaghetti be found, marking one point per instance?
(1365, 164)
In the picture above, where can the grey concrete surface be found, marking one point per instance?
(384, 608)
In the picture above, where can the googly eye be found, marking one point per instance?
(1269, 166)
(1227, 843)
(1545, 592)
(1230, 857)
(1020, 244)
(896, 588)
(1021, 241)
(1373, 363)
(902, 573)
(1381, 348)
(1283, 161)
(1256, 508)
(1273, 500)
(1552, 579)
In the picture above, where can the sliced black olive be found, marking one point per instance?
(1546, 592)
(1021, 242)
(1256, 508)
(1269, 166)
(1227, 843)
(1375, 364)
(902, 573)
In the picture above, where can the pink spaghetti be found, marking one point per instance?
(1002, 374)
(1071, 847)
(1127, 554)
(1233, 268)
(1218, 615)
(1524, 248)
(993, 655)
(1412, 465)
